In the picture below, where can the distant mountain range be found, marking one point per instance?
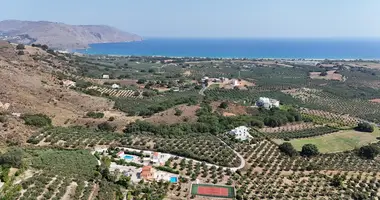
(60, 35)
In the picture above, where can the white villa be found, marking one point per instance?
(115, 86)
(241, 133)
(267, 103)
(106, 76)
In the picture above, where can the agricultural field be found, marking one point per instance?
(155, 104)
(332, 119)
(339, 141)
(302, 133)
(355, 107)
(289, 127)
(73, 137)
(54, 174)
(117, 92)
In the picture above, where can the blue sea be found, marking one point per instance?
(244, 48)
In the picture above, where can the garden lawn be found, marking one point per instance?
(336, 142)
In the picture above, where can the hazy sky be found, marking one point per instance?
(210, 18)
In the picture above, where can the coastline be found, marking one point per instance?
(237, 49)
(235, 58)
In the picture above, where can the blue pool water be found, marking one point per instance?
(128, 157)
(244, 48)
(173, 179)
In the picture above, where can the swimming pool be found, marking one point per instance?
(128, 157)
(173, 179)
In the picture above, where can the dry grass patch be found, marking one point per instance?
(331, 75)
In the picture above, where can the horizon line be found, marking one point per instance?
(232, 37)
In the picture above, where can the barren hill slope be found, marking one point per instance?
(28, 86)
(62, 36)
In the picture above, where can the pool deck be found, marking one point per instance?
(159, 175)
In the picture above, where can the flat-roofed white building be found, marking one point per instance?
(241, 133)
(267, 103)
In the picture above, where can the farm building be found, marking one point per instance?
(241, 133)
(115, 86)
(106, 76)
(267, 103)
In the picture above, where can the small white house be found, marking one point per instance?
(115, 86)
(241, 133)
(267, 103)
(106, 76)
(235, 82)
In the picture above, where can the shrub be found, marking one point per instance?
(141, 81)
(3, 119)
(20, 47)
(44, 47)
(111, 119)
(337, 181)
(309, 150)
(20, 53)
(12, 158)
(39, 120)
(223, 105)
(82, 84)
(369, 151)
(324, 73)
(105, 126)
(178, 112)
(288, 149)
(257, 123)
(95, 115)
(51, 51)
(365, 127)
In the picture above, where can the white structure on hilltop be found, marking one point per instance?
(115, 86)
(241, 133)
(267, 103)
(106, 76)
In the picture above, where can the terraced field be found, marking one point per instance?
(117, 92)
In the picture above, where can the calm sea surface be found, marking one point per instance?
(245, 48)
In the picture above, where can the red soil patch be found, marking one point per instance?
(227, 114)
(233, 109)
(375, 100)
(168, 117)
(214, 191)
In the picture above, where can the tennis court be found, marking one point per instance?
(213, 190)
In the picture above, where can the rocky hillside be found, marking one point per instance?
(61, 36)
(29, 86)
